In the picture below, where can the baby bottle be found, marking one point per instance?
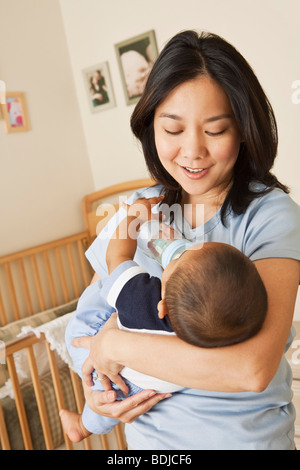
(161, 242)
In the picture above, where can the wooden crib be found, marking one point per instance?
(40, 285)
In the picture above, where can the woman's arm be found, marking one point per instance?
(247, 366)
(121, 246)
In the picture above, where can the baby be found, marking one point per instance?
(211, 296)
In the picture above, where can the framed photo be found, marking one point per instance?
(14, 112)
(99, 87)
(136, 57)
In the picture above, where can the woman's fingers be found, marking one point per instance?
(96, 399)
(88, 367)
(141, 408)
(105, 373)
(117, 380)
(104, 380)
(131, 408)
(126, 410)
(86, 371)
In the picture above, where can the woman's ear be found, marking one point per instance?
(162, 309)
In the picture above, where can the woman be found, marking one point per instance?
(209, 139)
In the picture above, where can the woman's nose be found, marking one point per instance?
(194, 146)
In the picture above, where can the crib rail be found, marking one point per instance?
(17, 345)
(43, 277)
(27, 343)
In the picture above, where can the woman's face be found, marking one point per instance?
(197, 138)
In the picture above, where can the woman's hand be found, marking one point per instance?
(104, 403)
(98, 359)
(127, 410)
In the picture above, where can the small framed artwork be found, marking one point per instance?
(136, 57)
(14, 112)
(99, 87)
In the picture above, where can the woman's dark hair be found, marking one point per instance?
(187, 56)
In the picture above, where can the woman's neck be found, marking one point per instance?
(198, 209)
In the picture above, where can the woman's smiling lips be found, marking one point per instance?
(194, 173)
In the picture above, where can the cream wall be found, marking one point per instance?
(45, 172)
(267, 33)
(45, 44)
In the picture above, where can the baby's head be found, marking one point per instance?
(213, 295)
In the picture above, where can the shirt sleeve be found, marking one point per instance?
(273, 228)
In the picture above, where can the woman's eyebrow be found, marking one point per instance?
(217, 118)
(170, 116)
(175, 117)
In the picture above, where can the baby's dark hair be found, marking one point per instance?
(217, 298)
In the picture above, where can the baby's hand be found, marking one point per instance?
(141, 209)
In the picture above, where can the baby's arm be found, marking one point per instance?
(122, 245)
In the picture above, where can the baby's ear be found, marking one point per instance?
(162, 309)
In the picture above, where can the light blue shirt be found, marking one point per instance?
(198, 419)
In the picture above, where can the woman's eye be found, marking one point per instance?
(214, 134)
(173, 132)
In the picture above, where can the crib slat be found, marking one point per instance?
(82, 262)
(26, 288)
(38, 283)
(77, 391)
(104, 442)
(57, 388)
(73, 271)
(62, 275)
(12, 291)
(2, 312)
(3, 432)
(120, 437)
(50, 279)
(39, 398)
(19, 402)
